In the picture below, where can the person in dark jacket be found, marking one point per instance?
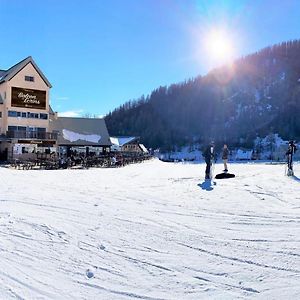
(289, 154)
(225, 155)
(209, 156)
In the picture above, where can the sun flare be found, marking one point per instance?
(219, 46)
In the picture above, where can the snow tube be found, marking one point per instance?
(224, 176)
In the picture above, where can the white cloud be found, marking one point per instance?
(71, 113)
(62, 98)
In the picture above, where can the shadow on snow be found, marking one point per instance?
(207, 185)
(296, 178)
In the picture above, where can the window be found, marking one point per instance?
(40, 129)
(0, 114)
(24, 150)
(29, 78)
(12, 128)
(44, 116)
(19, 114)
(21, 128)
(12, 113)
(32, 115)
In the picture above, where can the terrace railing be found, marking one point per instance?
(23, 134)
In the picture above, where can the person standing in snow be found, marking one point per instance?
(209, 156)
(225, 155)
(289, 154)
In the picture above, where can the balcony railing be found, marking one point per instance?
(23, 134)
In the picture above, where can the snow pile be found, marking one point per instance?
(243, 154)
(187, 153)
(163, 234)
(74, 136)
(272, 147)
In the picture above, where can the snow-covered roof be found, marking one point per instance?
(144, 149)
(81, 131)
(122, 140)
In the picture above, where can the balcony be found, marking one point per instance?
(23, 134)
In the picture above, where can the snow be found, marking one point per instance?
(150, 231)
(74, 136)
(185, 153)
(121, 141)
(144, 149)
(243, 154)
(257, 96)
(273, 145)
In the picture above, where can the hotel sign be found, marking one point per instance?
(28, 98)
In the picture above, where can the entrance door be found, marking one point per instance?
(4, 155)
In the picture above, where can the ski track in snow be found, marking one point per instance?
(152, 231)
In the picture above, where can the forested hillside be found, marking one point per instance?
(256, 95)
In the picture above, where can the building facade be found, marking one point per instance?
(28, 125)
(127, 144)
(24, 109)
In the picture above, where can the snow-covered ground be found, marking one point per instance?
(150, 231)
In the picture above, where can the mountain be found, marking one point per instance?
(256, 95)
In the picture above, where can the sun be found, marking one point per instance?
(219, 46)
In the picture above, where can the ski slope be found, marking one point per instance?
(150, 231)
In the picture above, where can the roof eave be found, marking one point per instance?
(22, 64)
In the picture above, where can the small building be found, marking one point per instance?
(127, 144)
(87, 136)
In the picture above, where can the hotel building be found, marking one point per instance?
(27, 122)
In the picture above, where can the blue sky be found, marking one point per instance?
(100, 53)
